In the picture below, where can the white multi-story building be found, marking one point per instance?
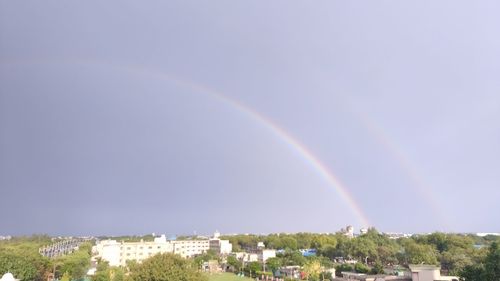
(265, 254)
(190, 248)
(118, 253)
(221, 247)
(108, 250)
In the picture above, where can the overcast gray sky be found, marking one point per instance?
(400, 100)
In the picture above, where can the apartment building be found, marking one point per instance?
(222, 247)
(118, 253)
(190, 248)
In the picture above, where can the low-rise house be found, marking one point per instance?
(292, 271)
(246, 257)
(353, 276)
(211, 266)
(429, 273)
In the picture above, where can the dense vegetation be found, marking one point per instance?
(453, 252)
(488, 269)
(20, 256)
(472, 257)
(161, 267)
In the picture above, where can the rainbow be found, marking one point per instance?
(292, 142)
(419, 184)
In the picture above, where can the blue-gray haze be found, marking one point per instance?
(399, 99)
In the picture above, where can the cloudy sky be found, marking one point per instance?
(130, 117)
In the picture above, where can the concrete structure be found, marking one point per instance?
(190, 248)
(418, 273)
(211, 266)
(8, 277)
(221, 247)
(259, 251)
(265, 254)
(397, 235)
(482, 234)
(331, 271)
(246, 257)
(429, 273)
(60, 248)
(353, 276)
(348, 231)
(292, 271)
(117, 253)
(108, 250)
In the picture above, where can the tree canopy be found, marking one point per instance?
(166, 267)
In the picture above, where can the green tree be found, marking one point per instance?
(76, 263)
(343, 268)
(343, 248)
(234, 262)
(209, 255)
(273, 264)
(455, 259)
(492, 263)
(292, 258)
(328, 251)
(66, 276)
(415, 253)
(24, 266)
(102, 271)
(312, 269)
(289, 243)
(166, 267)
(363, 248)
(117, 274)
(377, 268)
(472, 273)
(130, 265)
(361, 268)
(254, 266)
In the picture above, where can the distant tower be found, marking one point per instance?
(349, 231)
(216, 234)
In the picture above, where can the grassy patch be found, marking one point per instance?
(226, 277)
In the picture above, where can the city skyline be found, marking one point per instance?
(127, 118)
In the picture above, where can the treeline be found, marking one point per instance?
(453, 252)
(128, 238)
(20, 256)
(161, 267)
